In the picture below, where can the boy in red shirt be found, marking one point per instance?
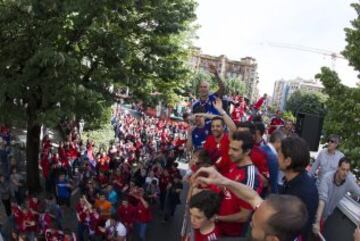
(126, 213)
(143, 215)
(203, 208)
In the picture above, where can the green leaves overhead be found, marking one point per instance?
(57, 56)
(343, 108)
(311, 102)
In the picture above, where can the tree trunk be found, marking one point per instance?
(32, 156)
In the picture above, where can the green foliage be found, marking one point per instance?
(195, 80)
(289, 116)
(235, 85)
(310, 102)
(343, 108)
(232, 85)
(60, 57)
(102, 136)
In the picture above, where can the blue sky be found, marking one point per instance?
(239, 28)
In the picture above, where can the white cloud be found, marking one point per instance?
(237, 28)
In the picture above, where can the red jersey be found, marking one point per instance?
(259, 103)
(45, 166)
(275, 122)
(219, 150)
(80, 211)
(231, 204)
(19, 218)
(126, 214)
(143, 214)
(212, 236)
(258, 157)
(29, 218)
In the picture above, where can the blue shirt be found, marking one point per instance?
(63, 191)
(199, 135)
(303, 186)
(207, 106)
(272, 162)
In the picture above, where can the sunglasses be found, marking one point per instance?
(332, 141)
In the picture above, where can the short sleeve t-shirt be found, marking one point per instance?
(219, 152)
(117, 230)
(199, 136)
(231, 204)
(212, 236)
(206, 106)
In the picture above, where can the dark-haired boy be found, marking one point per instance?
(203, 208)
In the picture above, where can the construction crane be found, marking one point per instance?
(333, 55)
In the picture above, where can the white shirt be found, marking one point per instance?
(118, 227)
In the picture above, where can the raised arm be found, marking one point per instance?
(221, 91)
(209, 175)
(227, 119)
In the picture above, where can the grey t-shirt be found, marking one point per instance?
(331, 194)
(326, 162)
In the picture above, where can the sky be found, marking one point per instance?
(239, 28)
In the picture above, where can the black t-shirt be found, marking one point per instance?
(303, 186)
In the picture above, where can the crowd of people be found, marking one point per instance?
(244, 162)
(246, 178)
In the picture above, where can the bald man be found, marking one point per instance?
(206, 100)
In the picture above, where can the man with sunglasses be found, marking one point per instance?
(328, 158)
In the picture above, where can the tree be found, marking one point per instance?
(235, 85)
(343, 105)
(60, 58)
(311, 102)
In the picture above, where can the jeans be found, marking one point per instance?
(141, 230)
(81, 228)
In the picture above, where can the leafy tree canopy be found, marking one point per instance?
(311, 102)
(60, 58)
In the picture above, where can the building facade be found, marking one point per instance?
(283, 89)
(244, 70)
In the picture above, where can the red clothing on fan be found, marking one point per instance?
(80, 211)
(143, 213)
(231, 204)
(258, 157)
(259, 103)
(45, 166)
(212, 236)
(29, 217)
(275, 122)
(217, 150)
(126, 214)
(19, 218)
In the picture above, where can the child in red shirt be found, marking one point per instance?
(203, 208)
(126, 213)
